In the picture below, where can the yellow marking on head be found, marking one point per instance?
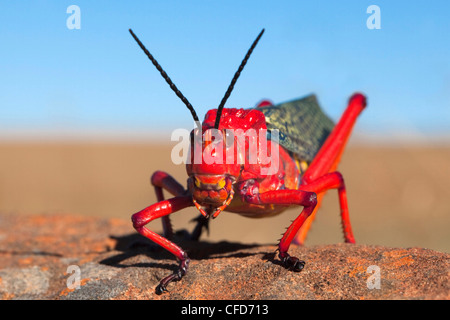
(197, 182)
(222, 183)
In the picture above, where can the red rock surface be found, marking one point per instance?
(116, 263)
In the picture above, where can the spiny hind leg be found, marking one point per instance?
(328, 157)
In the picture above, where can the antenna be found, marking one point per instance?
(166, 77)
(233, 81)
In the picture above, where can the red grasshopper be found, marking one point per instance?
(309, 149)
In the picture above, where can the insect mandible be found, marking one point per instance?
(308, 148)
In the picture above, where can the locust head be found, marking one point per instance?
(211, 173)
(218, 157)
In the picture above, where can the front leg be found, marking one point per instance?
(158, 210)
(163, 181)
(290, 197)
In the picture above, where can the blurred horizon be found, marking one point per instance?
(96, 83)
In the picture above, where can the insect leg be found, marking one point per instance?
(306, 199)
(202, 223)
(162, 180)
(334, 180)
(302, 233)
(330, 153)
(158, 210)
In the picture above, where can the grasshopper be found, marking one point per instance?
(308, 147)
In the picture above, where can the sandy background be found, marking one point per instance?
(398, 195)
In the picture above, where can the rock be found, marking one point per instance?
(69, 257)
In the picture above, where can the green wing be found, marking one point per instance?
(302, 125)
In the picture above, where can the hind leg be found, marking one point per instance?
(330, 153)
(334, 180)
(328, 157)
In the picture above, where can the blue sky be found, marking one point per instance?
(96, 80)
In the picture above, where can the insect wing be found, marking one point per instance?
(303, 126)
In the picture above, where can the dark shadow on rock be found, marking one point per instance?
(272, 257)
(132, 245)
